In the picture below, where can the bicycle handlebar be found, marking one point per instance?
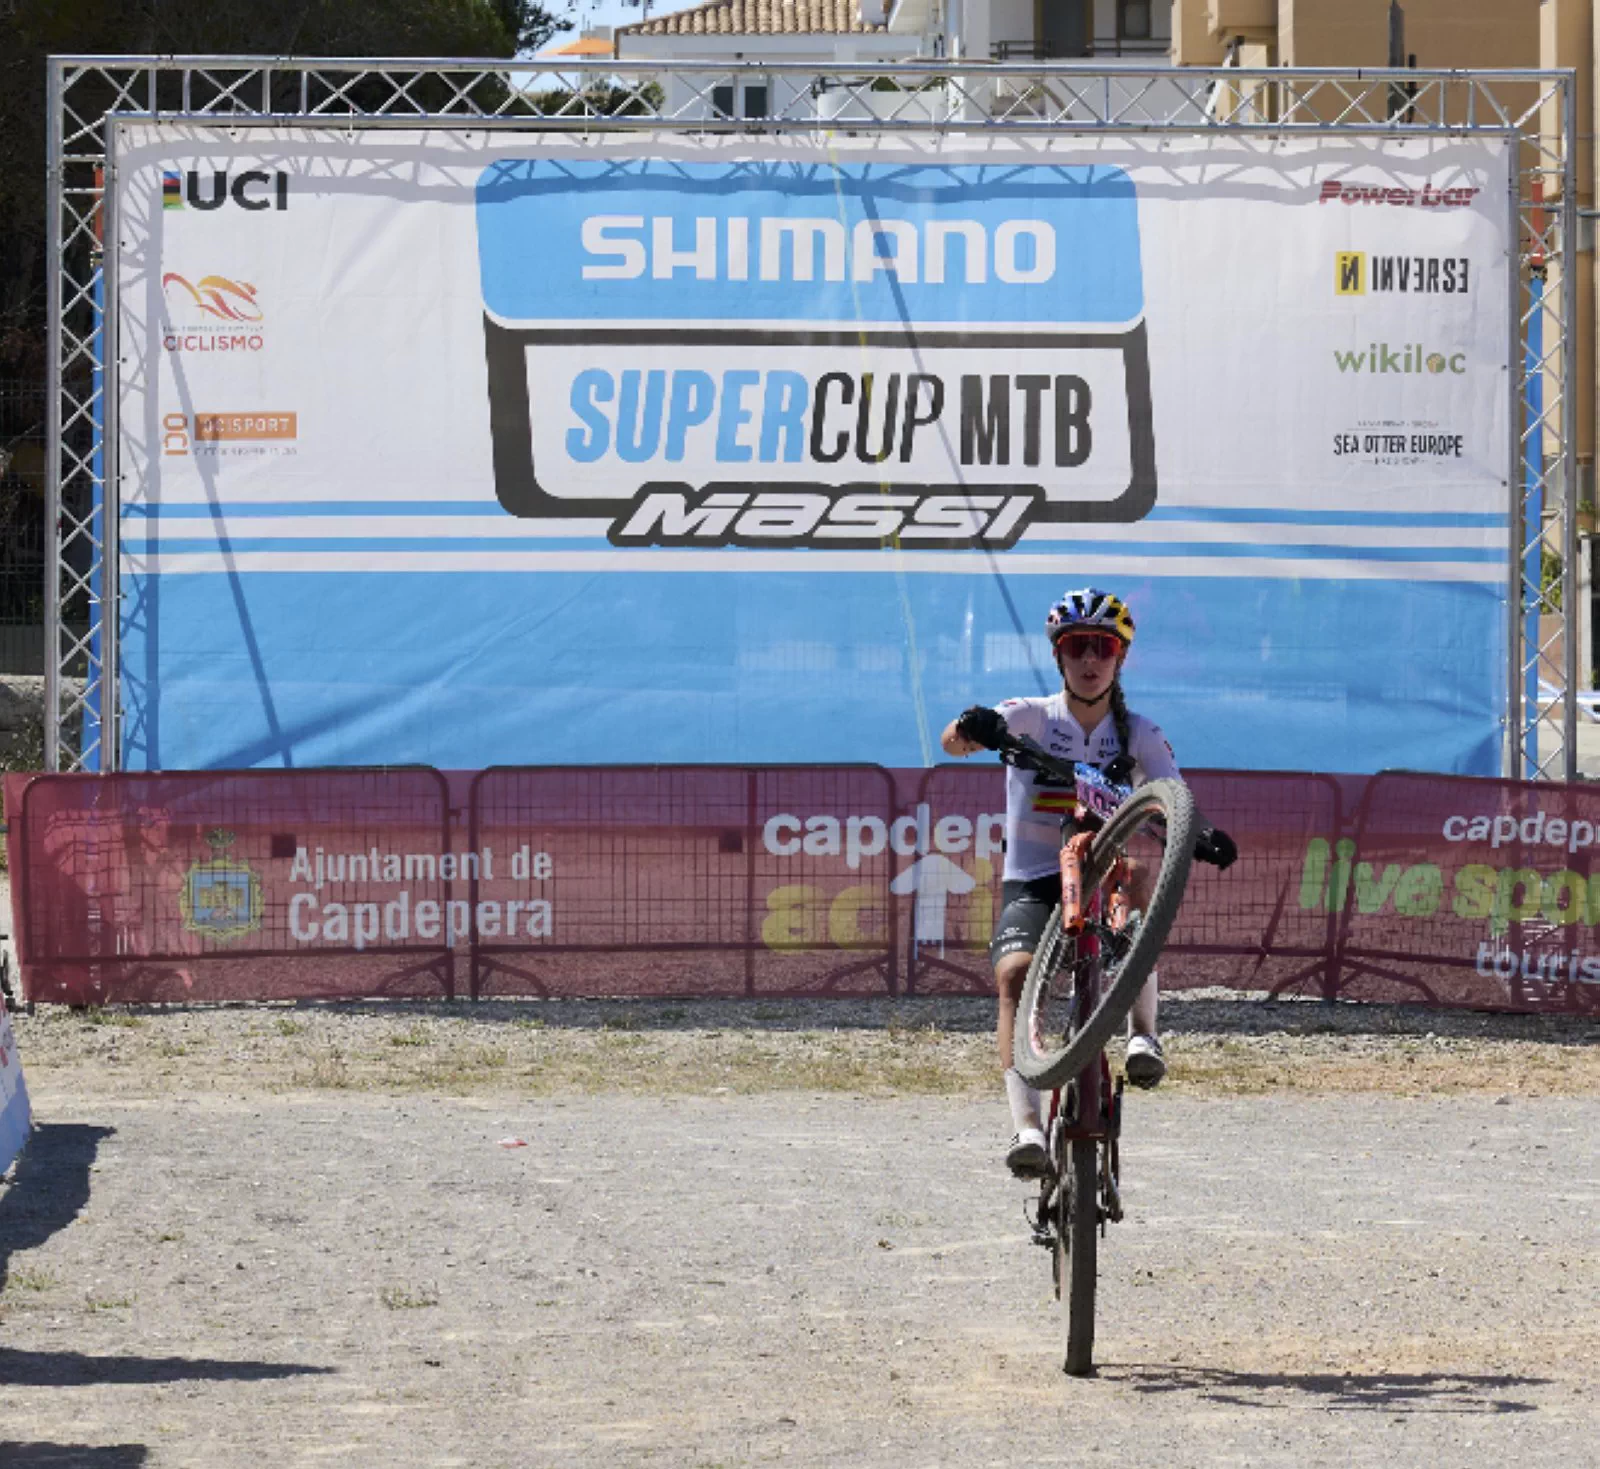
(1096, 795)
(1027, 754)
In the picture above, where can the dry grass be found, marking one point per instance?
(408, 1297)
(927, 1047)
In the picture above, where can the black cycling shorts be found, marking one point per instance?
(1026, 908)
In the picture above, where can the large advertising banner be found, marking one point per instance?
(470, 448)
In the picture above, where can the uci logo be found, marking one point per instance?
(254, 189)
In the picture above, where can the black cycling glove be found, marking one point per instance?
(1215, 846)
(985, 726)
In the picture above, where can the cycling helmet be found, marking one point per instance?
(1091, 608)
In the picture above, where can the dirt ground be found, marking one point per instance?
(718, 1235)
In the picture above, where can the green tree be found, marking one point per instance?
(31, 30)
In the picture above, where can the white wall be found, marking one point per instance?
(1009, 20)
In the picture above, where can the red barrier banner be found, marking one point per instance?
(235, 885)
(1243, 927)
(1240, 928)
(692, 880)
(774, 881)
(1455, 891)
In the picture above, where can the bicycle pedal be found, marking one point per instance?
(1040, 1229)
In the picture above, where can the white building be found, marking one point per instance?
(877, 35)
(1128, 31)
(1099, 33)
(745, 33)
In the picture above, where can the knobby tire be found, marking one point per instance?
(1082, 1228)
(1035, 1061)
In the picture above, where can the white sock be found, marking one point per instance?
(1025, 1101)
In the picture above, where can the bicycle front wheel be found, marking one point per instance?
(1079, 1235)
(1154, 827)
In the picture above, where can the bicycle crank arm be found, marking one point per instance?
(1111, 1208)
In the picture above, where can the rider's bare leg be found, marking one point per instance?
(1025, 1101)
(1142, 1017)
(1009, 976)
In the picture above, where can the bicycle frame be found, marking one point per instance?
(1088, 1106)
(1093, 1106)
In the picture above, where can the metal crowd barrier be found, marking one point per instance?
(662, 880)
(762, 881)
(188, 886)
(1249, 913)
(1463, 892)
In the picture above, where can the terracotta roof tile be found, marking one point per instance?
(756, 17)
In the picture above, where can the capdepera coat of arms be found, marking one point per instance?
(221, 897)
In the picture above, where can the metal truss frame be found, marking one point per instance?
(1535, 109)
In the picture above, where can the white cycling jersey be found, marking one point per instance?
(1033, 811)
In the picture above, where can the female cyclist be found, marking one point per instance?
(1090, 632)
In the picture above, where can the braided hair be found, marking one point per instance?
(1120, 717)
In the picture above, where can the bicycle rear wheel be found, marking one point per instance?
(1078, 1236)
(1125, 957)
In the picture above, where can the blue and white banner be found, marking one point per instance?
(471, 448)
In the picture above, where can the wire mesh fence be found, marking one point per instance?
(1244, 928)
(687, 880)
(736, 881)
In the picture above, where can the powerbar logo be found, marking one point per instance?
(1427, 197)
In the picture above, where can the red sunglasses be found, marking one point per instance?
(1080, 644)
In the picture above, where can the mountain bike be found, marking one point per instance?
(1125, 859)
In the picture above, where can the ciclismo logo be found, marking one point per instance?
(212, 313)
(1427, 275)
(1380, 359)
(254, 189)
(705, 379)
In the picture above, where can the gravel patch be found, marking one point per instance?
(811, 1279)
(715, 1234)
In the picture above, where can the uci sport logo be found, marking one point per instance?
(791, 353)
